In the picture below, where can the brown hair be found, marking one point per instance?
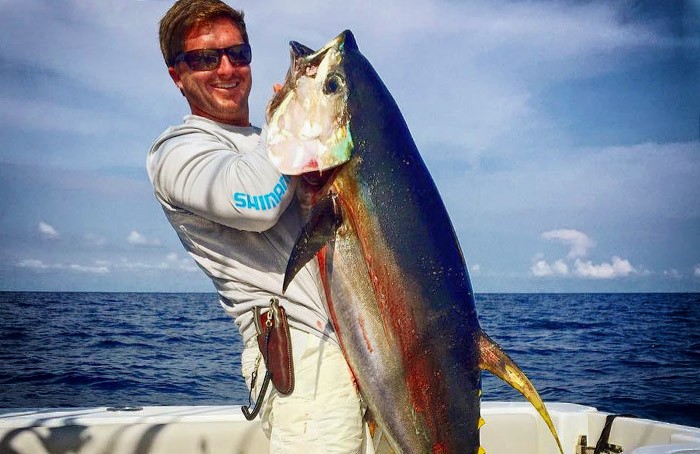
(184, 15)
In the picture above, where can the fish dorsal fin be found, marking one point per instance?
(299, 50)
(496, 361)
(348, 40)
(324, 219)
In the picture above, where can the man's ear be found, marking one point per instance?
(175, 76)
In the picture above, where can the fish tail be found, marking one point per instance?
(496, 361)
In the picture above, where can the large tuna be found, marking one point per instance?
(396, 284)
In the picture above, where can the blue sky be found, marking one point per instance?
(563, 135)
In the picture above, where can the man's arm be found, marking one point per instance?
(197, 172)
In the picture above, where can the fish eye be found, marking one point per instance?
(334, 82)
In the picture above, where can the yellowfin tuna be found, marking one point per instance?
(396, 283)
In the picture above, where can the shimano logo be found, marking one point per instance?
(265, 201)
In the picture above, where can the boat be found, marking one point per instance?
(511, 428)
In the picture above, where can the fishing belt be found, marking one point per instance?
(276, 349)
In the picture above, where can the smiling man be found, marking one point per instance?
(237, 216)
(221, 93)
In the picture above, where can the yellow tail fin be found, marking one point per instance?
(496, 361)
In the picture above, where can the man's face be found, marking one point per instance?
(220, 94)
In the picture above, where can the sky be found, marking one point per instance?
(563, 135)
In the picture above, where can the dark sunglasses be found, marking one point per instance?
(208, 59)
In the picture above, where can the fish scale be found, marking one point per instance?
(396, 284)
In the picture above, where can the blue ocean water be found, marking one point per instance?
(625, 353)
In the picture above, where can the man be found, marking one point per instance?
(238, 218)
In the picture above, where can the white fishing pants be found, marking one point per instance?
(323, 414)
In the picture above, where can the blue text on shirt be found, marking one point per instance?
(265, 201)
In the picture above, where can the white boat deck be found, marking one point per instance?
(511, 428)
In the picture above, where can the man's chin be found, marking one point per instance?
(227, 105)
(223, 111)
(233, 116)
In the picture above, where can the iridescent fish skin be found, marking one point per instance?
(396, 283)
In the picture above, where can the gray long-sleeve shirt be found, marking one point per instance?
(237, 216)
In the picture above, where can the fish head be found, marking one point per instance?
(308, 118)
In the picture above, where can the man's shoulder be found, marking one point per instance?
(196, 128)
(195, 122)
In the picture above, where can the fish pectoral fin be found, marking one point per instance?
(324, 219)
(493, 359)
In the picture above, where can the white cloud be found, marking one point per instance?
(38, 265)
(48, 231)
(98, 269)
(696, 270)
(543, 269)
(579, 242)
(138, 239)
(475, 269)
(567, 182)
(90, 30)
(184, 264)
(33, 264)
(170, 262)
(574, 265)
(673, 274)
(616, 268)
(497, 59)
(493, 55)
(484, 92)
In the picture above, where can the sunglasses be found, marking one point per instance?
(208, 59)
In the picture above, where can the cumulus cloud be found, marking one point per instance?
(490, 82)
(696, 270)
(138, 239)
(617, 267)
(543, 269)
(578, 242)
(48, 231)
(573, 264)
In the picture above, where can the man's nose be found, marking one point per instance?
(225, 67)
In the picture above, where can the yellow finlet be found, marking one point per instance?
(481, 450)
(481, 423)
(496, 361)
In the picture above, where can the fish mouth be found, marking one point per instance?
(308, 119)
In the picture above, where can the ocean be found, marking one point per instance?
(620, 353)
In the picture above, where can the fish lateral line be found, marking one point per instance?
(493, 359)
